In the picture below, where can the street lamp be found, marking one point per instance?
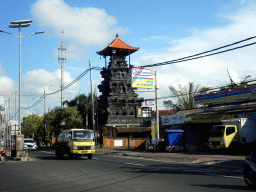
(20, 24)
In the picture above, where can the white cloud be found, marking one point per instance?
(209, 71)
(83, 26)
(155, 37)
(40, 80)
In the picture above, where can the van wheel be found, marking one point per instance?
(70, 155)
(59, 153)
(90, 156)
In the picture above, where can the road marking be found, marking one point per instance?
(136, 164)
(48, 152)
(225, 176)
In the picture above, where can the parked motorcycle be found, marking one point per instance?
(2, 156)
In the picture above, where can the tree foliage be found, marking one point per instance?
(184, 96)
(75, 115)
(84, 106)
(32, 127)
(61, 119)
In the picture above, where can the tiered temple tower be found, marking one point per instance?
(118, 97)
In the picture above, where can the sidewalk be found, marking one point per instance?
(196, 157)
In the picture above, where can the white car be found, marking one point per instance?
(30, 144)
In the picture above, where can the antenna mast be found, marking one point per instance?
(62, 59)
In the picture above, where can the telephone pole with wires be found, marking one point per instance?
(62, 59)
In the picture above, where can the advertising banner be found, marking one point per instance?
(215, 118)
(173, 119)
(139, 112)
(150, 102)
(143, 78)
(146, 111)
(239, 93)
(153, 129)
(15, 127)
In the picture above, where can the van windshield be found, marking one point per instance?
(83, 135)
(217, 131)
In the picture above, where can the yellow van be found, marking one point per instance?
(75, 142)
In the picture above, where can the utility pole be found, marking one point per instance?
(62, 59)
(93, 124)
(45, 115)
(157, 113)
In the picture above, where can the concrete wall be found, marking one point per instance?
(124, 142)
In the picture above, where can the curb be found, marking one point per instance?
(11, 158)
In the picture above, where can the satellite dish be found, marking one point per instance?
(234, 78)
(113, 51)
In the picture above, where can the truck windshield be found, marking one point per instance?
(217, 131)
(83, 135)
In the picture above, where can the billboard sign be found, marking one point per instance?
(150, 102)
(146, 111)
(213, 118)
(173, 119)
(245, 93)
(139, 112)
(143, 78)
(15, 126)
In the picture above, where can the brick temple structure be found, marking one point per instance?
(118, 98)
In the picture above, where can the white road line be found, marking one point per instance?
(136, 164)
(225, 176)
(48, 152)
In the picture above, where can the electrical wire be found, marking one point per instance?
(188, 58)
(65, 87)
(182, 59)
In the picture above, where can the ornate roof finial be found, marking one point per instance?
(117, 35)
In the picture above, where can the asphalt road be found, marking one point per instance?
(105, 172)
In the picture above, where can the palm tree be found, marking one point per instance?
(185, 97)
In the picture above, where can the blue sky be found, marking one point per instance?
(164, 30)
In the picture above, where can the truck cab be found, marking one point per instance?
(222, 136)
(76, 142)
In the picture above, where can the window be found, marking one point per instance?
(217, 131)
(230, 130)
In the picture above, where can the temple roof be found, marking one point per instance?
(121, 48)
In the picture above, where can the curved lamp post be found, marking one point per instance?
(20, 24)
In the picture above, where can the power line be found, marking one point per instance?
(210, 89)
(187, 58)
(65, 87)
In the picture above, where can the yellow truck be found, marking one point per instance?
(232, 133)
(75, 142)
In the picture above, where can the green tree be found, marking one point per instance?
(184, 96)
(84, 106)
(61, 119)
(32, 127)
(169, 105)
